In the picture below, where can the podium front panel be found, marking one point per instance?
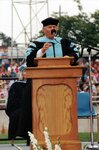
(54, 103)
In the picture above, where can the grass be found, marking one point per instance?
(4, 139)
(83, 137)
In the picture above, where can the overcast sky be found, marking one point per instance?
(21, 14)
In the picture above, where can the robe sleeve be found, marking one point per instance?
(31, 53)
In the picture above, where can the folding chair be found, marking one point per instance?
(84, 105)
(84, 111)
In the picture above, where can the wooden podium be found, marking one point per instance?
(54, 100)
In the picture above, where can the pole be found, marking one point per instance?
(59, 10)
(47, 8)
(92, 146)
(30, 20)
(11, 30)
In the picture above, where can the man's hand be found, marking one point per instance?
(45, 47)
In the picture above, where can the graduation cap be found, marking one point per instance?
(50, 21)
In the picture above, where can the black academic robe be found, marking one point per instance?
(66, 50)
(13, 108)
(25, 120)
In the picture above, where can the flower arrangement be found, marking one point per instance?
(48, 142)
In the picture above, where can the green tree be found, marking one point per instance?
(81, 28)
(80, 8)
(6, 41)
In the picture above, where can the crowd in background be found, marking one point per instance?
(10, 68)
(90, 77)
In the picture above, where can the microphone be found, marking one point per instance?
(53, 32)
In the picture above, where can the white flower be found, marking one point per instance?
(34, 141)
(57, 147)
(47, 140)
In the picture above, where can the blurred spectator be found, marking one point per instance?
(97, 89)
(84, 80)
(0, 71)
(83, 63)
(4, 72)
(2, 93)
(4, 56)
(7, 64)
(13, 73)
(2, 96)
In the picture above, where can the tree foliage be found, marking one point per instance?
(81, 28)
(6, 41)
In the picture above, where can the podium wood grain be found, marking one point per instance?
(54, 101)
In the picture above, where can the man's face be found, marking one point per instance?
(47, 30)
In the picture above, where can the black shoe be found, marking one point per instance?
(12, 142)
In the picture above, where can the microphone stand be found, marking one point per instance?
(92, 146)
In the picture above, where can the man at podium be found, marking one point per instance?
(49, 46)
